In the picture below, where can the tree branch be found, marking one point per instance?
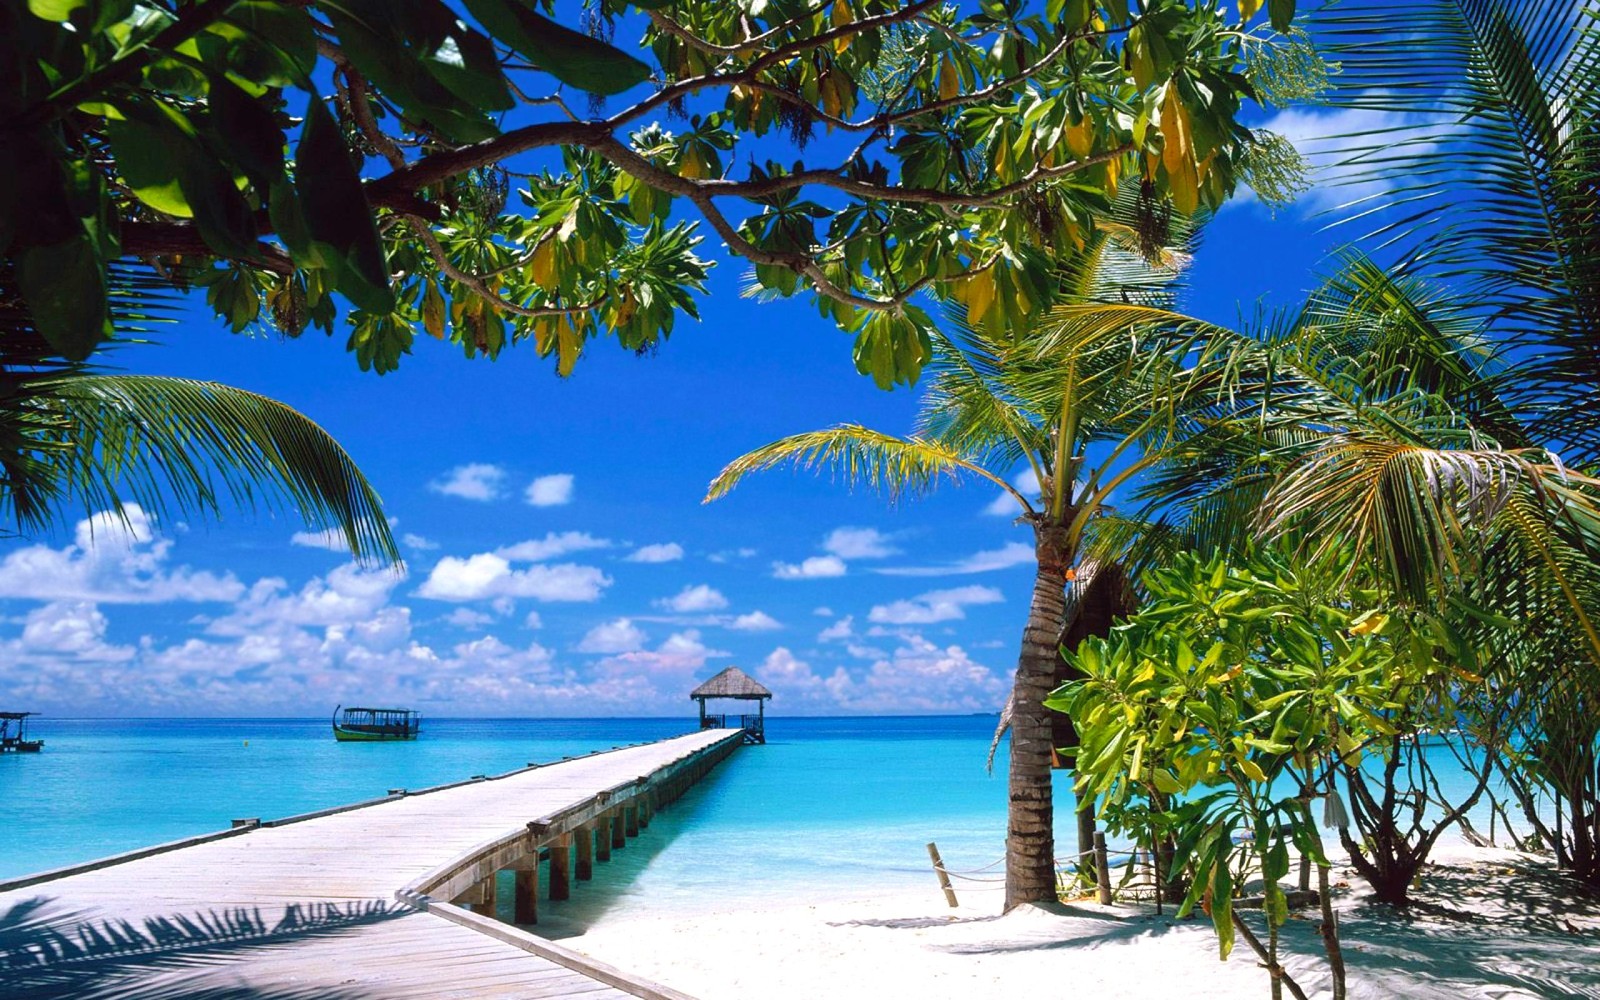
(167, 239)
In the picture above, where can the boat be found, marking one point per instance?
(374, 725)
(14, 734)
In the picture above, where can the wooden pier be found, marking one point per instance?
(390, 898)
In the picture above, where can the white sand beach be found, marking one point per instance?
(1486, 924)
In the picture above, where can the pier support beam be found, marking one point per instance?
(602, 837)
(561, 867)
(644, 808)
(526, 893)
(630, 820)
(619, 838)
(584, 869)
(481, 897)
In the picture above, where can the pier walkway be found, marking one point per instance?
(393, 898)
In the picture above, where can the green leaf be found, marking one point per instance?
(64, 285)
(248, 131)
(1281, 13)
(286, 27)
(1222, 906)
(144, 154)
(336, 211)
(569, 56)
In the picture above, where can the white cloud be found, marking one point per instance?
(332, 539)
(844, 628)
(486, 575)
(75, 629)
(468, 618)
(922, 677)
(620, 636)
(663, 552)
(550, 491)
(822, 612)
(858, 543)
(111, 560)
(728, 555)
(347, 596)
(755, 621)
(532, 620)
(697, 597)
(418, 542)
(552, 545)
(815, 568)
(934, 606)
(473, 481)
(989, 560)
(1326, 138)
(1005, 505)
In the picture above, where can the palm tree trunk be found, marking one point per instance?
(1030, 835)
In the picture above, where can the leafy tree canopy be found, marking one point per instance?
(490, 174)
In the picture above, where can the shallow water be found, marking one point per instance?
(829, 808)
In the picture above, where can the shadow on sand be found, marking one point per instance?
(47, 951)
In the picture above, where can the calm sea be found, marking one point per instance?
(828, 808)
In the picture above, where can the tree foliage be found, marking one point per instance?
(490, 174)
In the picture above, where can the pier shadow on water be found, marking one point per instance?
(48, 951)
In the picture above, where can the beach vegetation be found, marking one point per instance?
(75, 437)
(489, 174)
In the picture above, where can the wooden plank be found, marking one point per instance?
(339, 898)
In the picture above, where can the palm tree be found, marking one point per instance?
(75, 437)
(995, 401)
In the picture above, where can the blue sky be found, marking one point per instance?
(560, 561)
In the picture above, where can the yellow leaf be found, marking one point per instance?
(432, 309)
(949, 79)
(842, 15)
(977, 292)
(1177, 154)
(543, 266)
(1251, 769)
(1080, 137)
(1248, 9)
(1370, 623)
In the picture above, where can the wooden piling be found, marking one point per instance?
(602, 837)
(525, 909)
(630, 820)
(944, 876)
(561, 867)
(1102, 869)
(484, 896)
(583, 870)
(619, 836)
(644, 809)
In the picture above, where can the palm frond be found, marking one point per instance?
(894, 466)
(191, 445)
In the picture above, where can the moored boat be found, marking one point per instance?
(375, 725)
(14, 734)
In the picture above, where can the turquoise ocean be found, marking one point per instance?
(828, 808)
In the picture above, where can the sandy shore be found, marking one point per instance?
(1487, 924)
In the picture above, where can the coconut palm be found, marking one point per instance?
(76, 438)
(993, 402)
(1482, 168)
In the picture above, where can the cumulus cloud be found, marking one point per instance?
(332, 539)
(346, 596)
(693, 598)
(532, 620)
(729, 555)
(1006, 556)
(1324, 138)
(844, 628)
(76, 629)
(418, 542)
(551, 546)
(662, 552)
(620, 636)
(468, 618)
(486, 575)
(755, 621)
(934, 606)
(922, 677)
(858, 543)
(550, 491)
(111, 560)
(473, 481)
(815, 568)
(1005, 505)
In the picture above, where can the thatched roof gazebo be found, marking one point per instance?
(736, 685)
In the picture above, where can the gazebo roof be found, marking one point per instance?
(731, 683)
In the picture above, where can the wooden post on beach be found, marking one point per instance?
(1102, 869)
(561, 867)
(584, 870)
(944, 876)
(602, 837)
(525, 894)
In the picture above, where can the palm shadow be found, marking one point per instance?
(47, 951)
